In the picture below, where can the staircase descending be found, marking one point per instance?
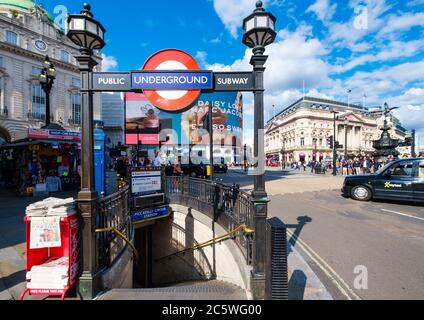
(208, 290)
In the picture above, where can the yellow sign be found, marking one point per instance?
(387, 185)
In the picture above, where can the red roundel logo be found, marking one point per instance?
(171, 100)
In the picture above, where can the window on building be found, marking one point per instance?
(36, 71)
(302, 142)
(1, 62)
(12, 37)
(64, 56)
(38, 110)
(76, 108)
(76, 82)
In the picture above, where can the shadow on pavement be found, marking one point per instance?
(14, 279)
(297, 285)
(303, 221)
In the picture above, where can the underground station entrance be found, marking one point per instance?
(194, 235)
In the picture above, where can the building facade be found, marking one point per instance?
(27, 34)
(113, 117)
(300, 132)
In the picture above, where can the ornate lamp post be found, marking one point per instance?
(245, 158)
(335, 113)
(259, 31)
(346, 124)
(47, 77)
(283, 153)
(88, 34)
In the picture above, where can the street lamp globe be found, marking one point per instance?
(47, 62)
(85, 31)
(259, 29)
(42, 77)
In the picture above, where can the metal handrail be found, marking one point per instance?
(113, 214)
(229, 206)
(208, 243)
(127, 241)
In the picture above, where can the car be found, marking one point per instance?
(220, 168)
(399, 180)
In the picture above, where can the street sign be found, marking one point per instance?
(150, 214)
(172, 100)
(53, 135)
(111, 81)
(146, 180)
(170, 80)
(233, 81)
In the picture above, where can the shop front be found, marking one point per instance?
(48, 161)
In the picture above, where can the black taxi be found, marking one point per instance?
(399, 180)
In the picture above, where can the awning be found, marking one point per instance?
(37, 141)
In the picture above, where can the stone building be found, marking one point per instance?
(27, 34)
(113, 116)
(300, 131)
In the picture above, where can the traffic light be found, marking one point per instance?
(330, 142)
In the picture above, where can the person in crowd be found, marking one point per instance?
(158, 160)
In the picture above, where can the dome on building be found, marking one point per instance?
(23, 6)
(19, 5)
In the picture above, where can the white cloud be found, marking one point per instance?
(348, 34)
(323, 9)
(395, 50)
(232, 13)
(411, 104)
(201, 57)
(109, 63)
(294, 57)
(403, 22)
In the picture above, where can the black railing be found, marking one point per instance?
(113, 212)
(229, 206)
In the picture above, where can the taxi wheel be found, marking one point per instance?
(361, 193)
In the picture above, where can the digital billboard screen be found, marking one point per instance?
(143, 121)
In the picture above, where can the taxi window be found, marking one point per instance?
(403, 169)
(421, 169)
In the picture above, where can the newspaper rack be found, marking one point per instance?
(69, 249)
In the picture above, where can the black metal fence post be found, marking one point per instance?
(276, 285)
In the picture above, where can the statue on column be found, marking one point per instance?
(385, 147)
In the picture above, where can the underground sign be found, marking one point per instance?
(171, 80)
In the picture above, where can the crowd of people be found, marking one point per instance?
(350, 166)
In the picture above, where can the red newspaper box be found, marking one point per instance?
(68, 250)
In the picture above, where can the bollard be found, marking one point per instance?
(276, 267)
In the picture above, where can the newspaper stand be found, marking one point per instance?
(69, 249)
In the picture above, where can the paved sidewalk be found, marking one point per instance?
(304, 284)
(298, 181)
(13, 243)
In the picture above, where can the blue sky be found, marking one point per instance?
(373, 47)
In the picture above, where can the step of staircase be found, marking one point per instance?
(209, 290)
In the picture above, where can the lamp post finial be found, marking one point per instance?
(87, 10)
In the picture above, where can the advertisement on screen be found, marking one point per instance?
(143, 120)
(227, 120)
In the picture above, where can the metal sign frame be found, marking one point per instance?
(96, 87)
